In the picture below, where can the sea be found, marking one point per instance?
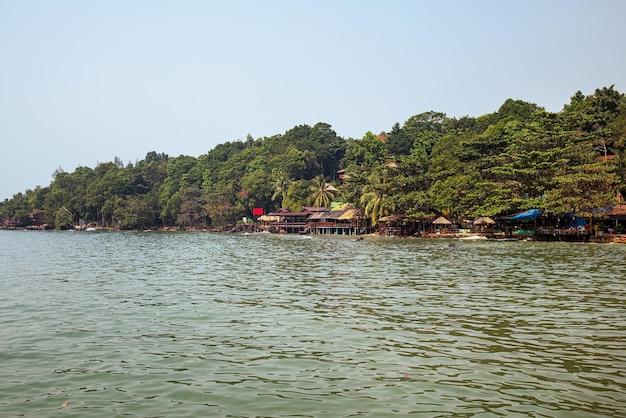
(197, 324)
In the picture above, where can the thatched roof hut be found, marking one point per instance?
(442, 221)
(485, 220)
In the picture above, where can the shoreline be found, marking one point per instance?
(601, 238)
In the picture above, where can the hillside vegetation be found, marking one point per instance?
(516, 158)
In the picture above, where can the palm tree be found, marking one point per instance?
(322, 193)
(376, 199)
(281, 184)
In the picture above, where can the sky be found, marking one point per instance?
(84, 82)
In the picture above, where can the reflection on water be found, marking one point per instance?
(198, 324)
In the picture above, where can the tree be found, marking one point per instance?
(15, 212)
(296, 195)
(517, 110)
(583, 182)
(63, 218)
(516, 158)
(376, 199)
(399, 142)
(424, 130)
(322, 193)
(220, 209)
(369, 152)
(328, 149)
(410, 195)
(281, 183)
(192, 212)
(292, 162)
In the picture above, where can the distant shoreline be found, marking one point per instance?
(605, 238)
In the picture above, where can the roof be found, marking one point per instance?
(318, 215)
(390, 218)
(484, 221)
(441, 221)
(343, 214)
(268, 218)
(529, 214)
(334, 214)
(287, 214)
(350, 214)
(606, 157)
(294, 214)
(616, 211)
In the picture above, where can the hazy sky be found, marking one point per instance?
(82, 82)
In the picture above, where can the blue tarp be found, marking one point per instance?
(527, 215)
(578, 222)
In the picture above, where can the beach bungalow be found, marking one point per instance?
(393, 225)
(292, 222)
(616, 222)
(342, 221)
(616, 213)
(442, 225)
(484, 225)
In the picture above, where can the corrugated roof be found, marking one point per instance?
(314, 209)
(619, 210)
(318, 215)
(334, 214)
(349, 214)
(268, 218)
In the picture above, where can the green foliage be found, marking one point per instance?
(399, 142)
(192, 212)
(280, 183)
(321, 193)
(297, 195)
(516, 158)
(368, 152)
(376, 198)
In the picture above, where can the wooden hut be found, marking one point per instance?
(442, 225)
(391, 225)
(292, 222)
(617, 216)
(344, 221)
(484, 224)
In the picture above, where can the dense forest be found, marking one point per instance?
(516, 158)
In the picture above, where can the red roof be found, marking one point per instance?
(606, 157)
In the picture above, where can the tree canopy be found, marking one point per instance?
(517, 158)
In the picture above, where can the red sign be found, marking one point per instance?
(257, 211)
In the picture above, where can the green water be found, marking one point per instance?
(146, 324)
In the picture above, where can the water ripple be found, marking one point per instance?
(193, 324)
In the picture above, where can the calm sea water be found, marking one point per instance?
(147, 324)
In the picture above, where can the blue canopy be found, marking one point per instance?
(523, 216)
